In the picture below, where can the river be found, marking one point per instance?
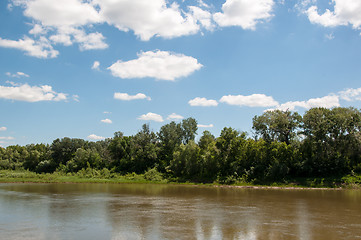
(146, 211)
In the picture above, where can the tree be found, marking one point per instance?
(189, 129)
(332, 140)
(63, 149)
(144, 150)
(120, 152)
(277, 125)
(84, 158)
(231, 151)
(206, 139)
(37, 154)
(186, 161)
(170, 137)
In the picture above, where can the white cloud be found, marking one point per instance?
(202, 102)
(89, 41)
(151, 117)
(62, 13)
(7, 138)
(204, 17)
(329, 101)
(161, 65)
(38, 30)
(175, 116)
(254, 100)
(76, 98)
(244, 13)
(147, 18)
(96, 65)
(290, 106)
(351, 94)
(330, 36)
(31, 93)
(95, 137)
(61, 39)
(65, 20)
(345, 12)
(3, 128)
(127, 97)
(326, 102)
(17, 74)
(21, 74)
(203, 4)
(107, 120)
(59, 96)
(13, 83)
(303, 5)
(40, 48)
(106, 112)
(205, 126)
(68, 35)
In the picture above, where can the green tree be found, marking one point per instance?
(231, 152)
(189, 130)
(84, 158)
(37, 154)
(144, 150)
(64, 149)
(277, 125)
(120, 152)
(332, 142)
(186, 161)
(170, 137)
(206, 139)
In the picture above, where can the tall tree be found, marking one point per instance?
(170, 137)
(206, 139)
(332, 143)
(231, 151)
(63, 149)
(189, 129)
(144, 150)
(277, 125)
(120, 152)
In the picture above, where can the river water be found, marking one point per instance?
(145, 211)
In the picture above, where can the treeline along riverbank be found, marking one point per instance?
(320, 148)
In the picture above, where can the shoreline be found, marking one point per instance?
(335, 183)
(11, 181)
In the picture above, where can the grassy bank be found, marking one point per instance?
(87, 176)
(104, 176)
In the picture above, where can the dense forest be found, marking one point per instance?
(321, 143)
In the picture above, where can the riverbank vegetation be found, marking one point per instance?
(320, 148)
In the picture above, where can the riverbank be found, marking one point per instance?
(22, 176)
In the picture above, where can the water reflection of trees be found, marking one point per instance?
(185, 213)
(132, 211)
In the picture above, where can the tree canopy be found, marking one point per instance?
(323, 142)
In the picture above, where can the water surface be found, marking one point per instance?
(144, 211)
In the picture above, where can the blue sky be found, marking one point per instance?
(86, 69)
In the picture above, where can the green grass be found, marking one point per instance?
(152, 176)
(7, 176)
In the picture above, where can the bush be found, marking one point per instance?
(153, 175)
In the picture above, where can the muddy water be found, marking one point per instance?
(132, 211)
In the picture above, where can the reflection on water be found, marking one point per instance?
(132, 211)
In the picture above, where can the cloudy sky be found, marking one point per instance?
(88, 68)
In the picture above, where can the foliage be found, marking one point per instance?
(321, 144)
(153, 175)
(277, 125)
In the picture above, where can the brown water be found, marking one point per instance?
(132, 211)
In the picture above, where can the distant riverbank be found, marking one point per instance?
(22, 176)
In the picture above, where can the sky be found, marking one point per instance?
(88, 68)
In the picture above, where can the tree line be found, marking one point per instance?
(321, 143)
